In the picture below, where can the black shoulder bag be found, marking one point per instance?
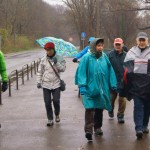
(62, 83)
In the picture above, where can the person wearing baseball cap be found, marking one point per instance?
(49, 81)
(116, 57)
(137, 81)
(142, 40)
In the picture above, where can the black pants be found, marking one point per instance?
(48, 101)
(93, 118)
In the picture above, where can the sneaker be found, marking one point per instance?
(111, 114)
(139, 134)
(98, 131)
(121, 119)
(145, 130)
(88, 135)
(50, 123)
(57, 119)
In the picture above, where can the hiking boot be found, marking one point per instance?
(98, 131)
(50, 123)
(145, 130)
(121, 119)
(139, 134)
(111, 114)
(88, 135)
(57, 119)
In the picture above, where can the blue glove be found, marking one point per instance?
(82, 90)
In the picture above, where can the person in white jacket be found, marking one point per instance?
(48, 80)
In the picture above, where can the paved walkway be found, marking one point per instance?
(23, 120)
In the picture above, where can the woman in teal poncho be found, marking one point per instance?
(95, 78)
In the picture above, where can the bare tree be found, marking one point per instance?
(83, 13)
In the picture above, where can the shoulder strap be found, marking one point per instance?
(54, 70)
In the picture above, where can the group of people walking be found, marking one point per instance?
(102, 78)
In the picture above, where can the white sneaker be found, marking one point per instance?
(57, 119)
(50, 123)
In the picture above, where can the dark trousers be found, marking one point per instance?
(93, 118)
(141, 113)
(48, 94)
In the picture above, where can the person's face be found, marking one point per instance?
(99, 47)
(50, 52)
(118, 47)
(142, 43)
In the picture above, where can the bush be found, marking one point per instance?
(4, 34)
(18, 43)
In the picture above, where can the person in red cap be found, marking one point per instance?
(116, 57)
(49, 81)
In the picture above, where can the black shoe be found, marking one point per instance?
(0, 125)
(121, 119)
(50, 123)
(111, 114)
(88, 135)
(57, 119)
(139, 134)
(98, 131)
(145, 130)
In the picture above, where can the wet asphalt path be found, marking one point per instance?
(23, 120)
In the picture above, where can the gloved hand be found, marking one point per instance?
(74, 60)
(82, 90)
(54, 60)
(4, 86)
(39, 86)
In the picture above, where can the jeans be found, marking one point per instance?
(48, 102)
(93, 118)
(141, 113)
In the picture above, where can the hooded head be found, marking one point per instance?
(96, 47)
(91, 39)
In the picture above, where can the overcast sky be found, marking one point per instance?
(54, 2)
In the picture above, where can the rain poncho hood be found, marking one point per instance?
(93, 47)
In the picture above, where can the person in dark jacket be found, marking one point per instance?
(116, 57)
(137, 80)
